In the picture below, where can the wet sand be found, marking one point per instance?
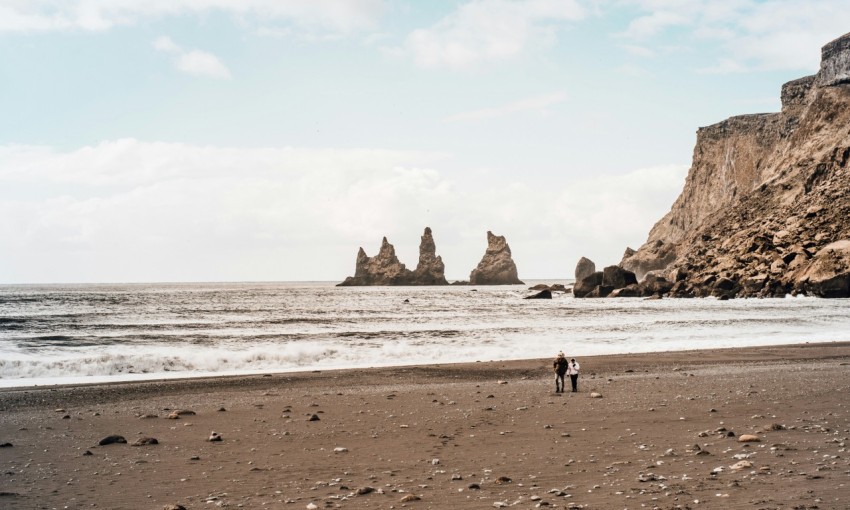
(664, 433)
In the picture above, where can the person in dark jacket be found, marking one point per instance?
(560, 367)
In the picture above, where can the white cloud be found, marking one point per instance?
(539, 104)
(128, 210)
(164, 43)
(195, 62)
(47, 15)
(651, 24)
(201, 63)
(752, 35)
(490, 30)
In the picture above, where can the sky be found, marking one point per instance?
(267, 140)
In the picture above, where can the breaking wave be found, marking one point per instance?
(59, 334)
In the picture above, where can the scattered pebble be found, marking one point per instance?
(176, 414)
(113, 439)
(144, 441)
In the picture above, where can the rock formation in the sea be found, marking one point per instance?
(765, 210)
(611, 281)
(385, 268)
(584, 268)
(430, 269)
(496, 266)
(587, 285)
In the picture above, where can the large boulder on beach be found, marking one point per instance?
(586, 285)
(653, 256)
(608, 282)
(632, 290)
(617, 277)
(828, 273)
(497, 267)
(584, 268)
(654, 284)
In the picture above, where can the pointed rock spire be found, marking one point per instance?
(497, 267)
(385, 268)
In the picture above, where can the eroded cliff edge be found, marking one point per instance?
(765, 210)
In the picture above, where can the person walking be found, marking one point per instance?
(560, 368)
(572, 370)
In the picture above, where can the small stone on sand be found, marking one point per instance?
(113, 439)
(144, 441)
(749, 438)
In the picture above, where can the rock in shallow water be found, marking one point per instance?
(497, 267)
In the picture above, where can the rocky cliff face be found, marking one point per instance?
(765, 195)
(385, 268)
(497, 267)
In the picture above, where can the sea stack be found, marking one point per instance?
(386, 269)
(765, 208)
(497, 267)
(430, 270)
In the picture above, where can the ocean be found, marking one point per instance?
(61, 334)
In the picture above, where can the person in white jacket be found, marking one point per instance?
(572, 371)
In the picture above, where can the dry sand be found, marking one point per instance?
(479, 435)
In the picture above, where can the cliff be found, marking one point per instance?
(765, 194)
(386, 269)
(497, 267)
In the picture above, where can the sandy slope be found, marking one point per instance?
(457, 436)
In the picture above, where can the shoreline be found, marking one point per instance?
(467, 371)
(664, 433)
